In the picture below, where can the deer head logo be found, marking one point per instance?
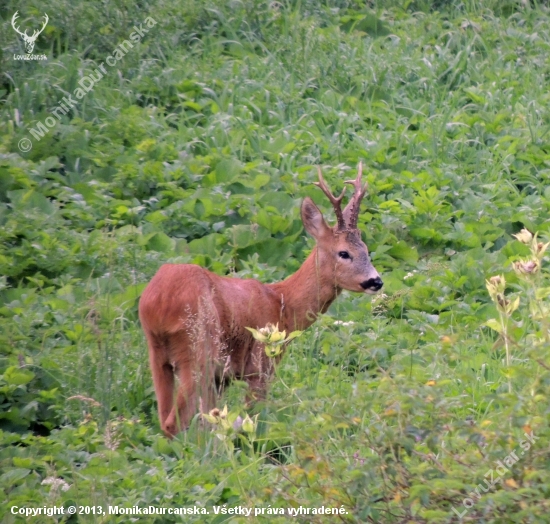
(29, 40)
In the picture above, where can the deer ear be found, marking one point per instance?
(313, 220)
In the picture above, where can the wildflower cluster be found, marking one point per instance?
(495, 287)
(530, 266)
(272, 338)
(529, 270)
(230, 422)
(56, 484)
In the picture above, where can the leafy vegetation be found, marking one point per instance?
(198, 146)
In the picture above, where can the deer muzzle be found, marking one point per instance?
(372, 285)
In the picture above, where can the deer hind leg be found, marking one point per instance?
(185, 405)
(197, 384)
(163, 377)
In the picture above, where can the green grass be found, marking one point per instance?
(198, 146)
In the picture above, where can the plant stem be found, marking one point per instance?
(504, 324)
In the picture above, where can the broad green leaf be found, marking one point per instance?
(30, 199)
(17, 376)
(241, 236)
(403, 252)
(493, 323)
(226, 171)
(207, 245)
(160, 242)
(11, 477)
(156, 217)
(294, 334)
(281, 201)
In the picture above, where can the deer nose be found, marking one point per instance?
(372, 283)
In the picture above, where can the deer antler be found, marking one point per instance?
(336, 202)
(351, 212)
(13, 19)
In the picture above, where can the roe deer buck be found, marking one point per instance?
(195, 320)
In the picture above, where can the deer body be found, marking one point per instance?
(195, 320)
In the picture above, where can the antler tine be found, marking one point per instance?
(351, 212)
(336, 202)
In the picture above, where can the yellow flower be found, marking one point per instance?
(511, 483)
(272, 351)
(495, 286)
(248, 425)
(524, 236)
(272, 338)
(540, 249)
(277, 336)
(215, 416)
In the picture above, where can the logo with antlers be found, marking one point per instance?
(29, 40)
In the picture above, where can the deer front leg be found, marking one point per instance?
(258, 370)
(257, 390)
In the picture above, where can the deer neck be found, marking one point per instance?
(306, 293)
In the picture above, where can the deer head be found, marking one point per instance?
(29, 40)
(343, 257)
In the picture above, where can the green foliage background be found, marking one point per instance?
(198, 146)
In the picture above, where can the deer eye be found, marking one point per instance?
(343, 254)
